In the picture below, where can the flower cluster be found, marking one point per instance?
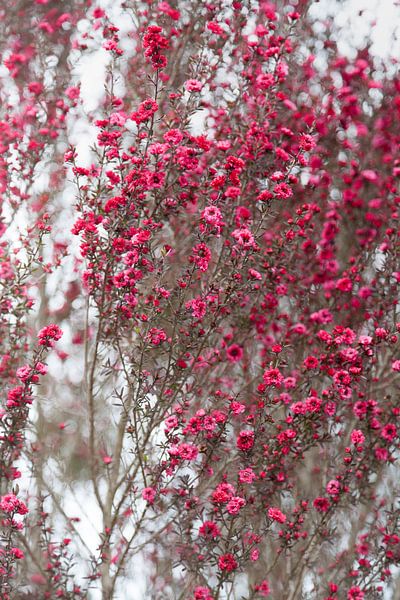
(228, 394)
(155, 44)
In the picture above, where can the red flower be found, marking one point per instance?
(227, 562)
(245, 440)
(223, 493)
(48, 335)
(276, 515)
(201, 256)
(234, 353)
(357, 437)
(283, 190)
(273, 377)
(209, 529)
(321, 504)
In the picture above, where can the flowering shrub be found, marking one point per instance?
(220, 418)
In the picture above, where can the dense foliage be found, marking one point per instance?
(198, 304)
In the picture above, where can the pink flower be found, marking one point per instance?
(24, 373)
(223, 493)
(209, 529)
(48, 335)
(355, 593)
(193, 85)
(344, 284)
(369, 175)
(255, 554)
(35, 87)
(215, 28)
(283, 190)
(357, 437)
(154, 43)
(264, 196)
(156, 336)
(322, 316)
(389, 432)
(41, 368)
(263, 588)
(173, 136)
(188, 451)
(265, 81)
(145, 111)
(276, 515)
(234, 353)
(244, 237)
(72, 92)
(168, 10)
(313, 404)
(273, 377)
(227, 562)
(17, 395)
(396, 365)
(202, 593)
(349, 354)
(381, 454)
(321, 504)
(245, 440)
(232, 191)
(17, 553)
(198, 306)
(254, 274)
(235, 504)
(237, 408)
(213, 217)
(170, 423)
(333, 487)
(149, 494)
(11, 504)
(307, 142)
(247, 475)
(200, 256)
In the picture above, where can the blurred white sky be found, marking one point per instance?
(377, 19)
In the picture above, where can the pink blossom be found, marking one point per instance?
(17, 553)
(333, 487)
(273, 377)
(244, 237)
(24, 373)
(156, 336)
(247, 475)
(223, 493)
(201, 256)
(357, 437)
(234, 353)
(227, 562)
(149, 494)
(307, 142)
(245, 440)
(235, 504)
(263, 588)
(321, 504)
(48, 335)
(11, 504)
(202, 593)
(193, 85)
(276, 515)
(209, 529)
